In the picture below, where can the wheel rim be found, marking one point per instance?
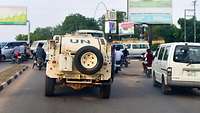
(89, 60)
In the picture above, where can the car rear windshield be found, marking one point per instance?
(187, 54)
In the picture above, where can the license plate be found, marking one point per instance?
(19, 57)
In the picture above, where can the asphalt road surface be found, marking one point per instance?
(4, 66)
(131, 93)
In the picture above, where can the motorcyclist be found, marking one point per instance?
(40, 53)
(118, 56)
(16, 52)
(125, 54)
(148, 59)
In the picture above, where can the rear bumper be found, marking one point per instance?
(170, 82)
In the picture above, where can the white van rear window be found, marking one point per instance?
(187, 54)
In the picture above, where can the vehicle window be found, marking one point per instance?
(166, 55)
(120, 46)
(135, 46)
(161, 53)
(128, 46)
(34, 44)
(143, 46)
(187, 54)
(156, 54)
(97, 34)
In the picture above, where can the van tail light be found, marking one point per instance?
(169, 71)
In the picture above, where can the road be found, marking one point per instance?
(4, 66)
(131, 93)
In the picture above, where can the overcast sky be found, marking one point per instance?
(44, 13)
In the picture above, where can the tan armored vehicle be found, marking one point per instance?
(79, 61)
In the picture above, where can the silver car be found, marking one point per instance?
(8, 49)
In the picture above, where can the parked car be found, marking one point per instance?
(137, 50)
(8, 48)
(177, 65)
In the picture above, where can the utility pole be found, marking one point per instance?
(127, 10)
(185, 26)
(29, 30)
(195, 34)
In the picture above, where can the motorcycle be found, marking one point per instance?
(124, 62)
(148, 70)
(117, 66)
(17, 58)
(39, 62)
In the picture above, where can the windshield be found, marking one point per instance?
(93, 34)
(187, 54)
(2, 44)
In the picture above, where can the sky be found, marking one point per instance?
(43, 13)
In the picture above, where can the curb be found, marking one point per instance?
(12, 78)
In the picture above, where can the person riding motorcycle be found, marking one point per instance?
(148, 59)
(40, 53)
(118, 57)
(125, 54)
(16, 53)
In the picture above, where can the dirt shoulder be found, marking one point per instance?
(7, 73)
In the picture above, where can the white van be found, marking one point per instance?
(177, 65)
(137, 49)
(36, 43)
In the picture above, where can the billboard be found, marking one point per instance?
(150, 11)
(126, 28)
(13, 15)
(111, 15)
(111, 27)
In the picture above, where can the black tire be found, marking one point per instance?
(50, 86)
(81, 52)
(155, 83)
(105, 91)
(40, 67)
(3, 58)
(126, 64)
(164, 88)
(116, 70)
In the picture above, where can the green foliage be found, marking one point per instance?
(75, 22)
(71, 24)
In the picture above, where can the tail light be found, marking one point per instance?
(169, 71)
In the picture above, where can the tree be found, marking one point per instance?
(189, 29)
(75, 22)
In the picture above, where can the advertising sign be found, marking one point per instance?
(150, 11)
(111, 27)
(149, 3)
(126, 28)
(111, 15)
(13, 15)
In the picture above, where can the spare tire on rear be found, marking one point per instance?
(88, 60)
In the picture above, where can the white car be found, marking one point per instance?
(137, 50)
(177, 65)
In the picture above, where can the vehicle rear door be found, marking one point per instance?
(186, 68)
